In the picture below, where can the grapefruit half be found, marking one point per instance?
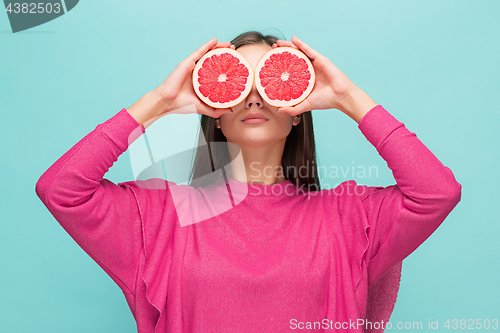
(284, 76)
(223, 78)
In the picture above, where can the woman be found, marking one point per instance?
(270, 252)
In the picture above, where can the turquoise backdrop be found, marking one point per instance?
(434, 65)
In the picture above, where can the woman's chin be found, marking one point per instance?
(252, 142)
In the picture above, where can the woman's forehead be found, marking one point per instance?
(254, 52)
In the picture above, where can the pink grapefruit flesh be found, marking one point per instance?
(284, 76)
(223, 78)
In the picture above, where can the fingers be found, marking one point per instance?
(309, 51)
(196, 55)
(213, 112)
(222, 44)
(296, 43)
(217, 113)
(209, 46)
(281, 42)
(302, 107)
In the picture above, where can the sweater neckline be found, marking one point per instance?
(278, 189)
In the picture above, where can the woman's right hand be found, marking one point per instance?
(177, 91)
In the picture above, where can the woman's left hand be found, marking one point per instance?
(331, 87)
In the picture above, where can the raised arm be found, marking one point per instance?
(402, 216)
(102, 217)
(398, 218)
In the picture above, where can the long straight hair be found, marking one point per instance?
(299, 151)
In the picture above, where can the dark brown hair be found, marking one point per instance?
(299, 151)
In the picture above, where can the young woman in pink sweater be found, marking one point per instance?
(259, 247)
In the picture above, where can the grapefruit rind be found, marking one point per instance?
(248, 84)
(292, 101)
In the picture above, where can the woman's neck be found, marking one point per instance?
(257, 165)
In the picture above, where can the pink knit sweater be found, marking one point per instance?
(276, 260)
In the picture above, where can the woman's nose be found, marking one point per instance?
(254, 99)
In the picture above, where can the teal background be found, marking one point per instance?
(432, 64)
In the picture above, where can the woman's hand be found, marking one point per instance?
(177, 89)
(332, 89)
(176, 94)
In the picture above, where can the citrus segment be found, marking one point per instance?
(284, 76)
(222, 78)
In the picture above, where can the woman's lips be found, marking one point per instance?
(254, 121)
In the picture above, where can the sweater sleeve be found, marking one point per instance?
(403, 216)
(102, 217)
